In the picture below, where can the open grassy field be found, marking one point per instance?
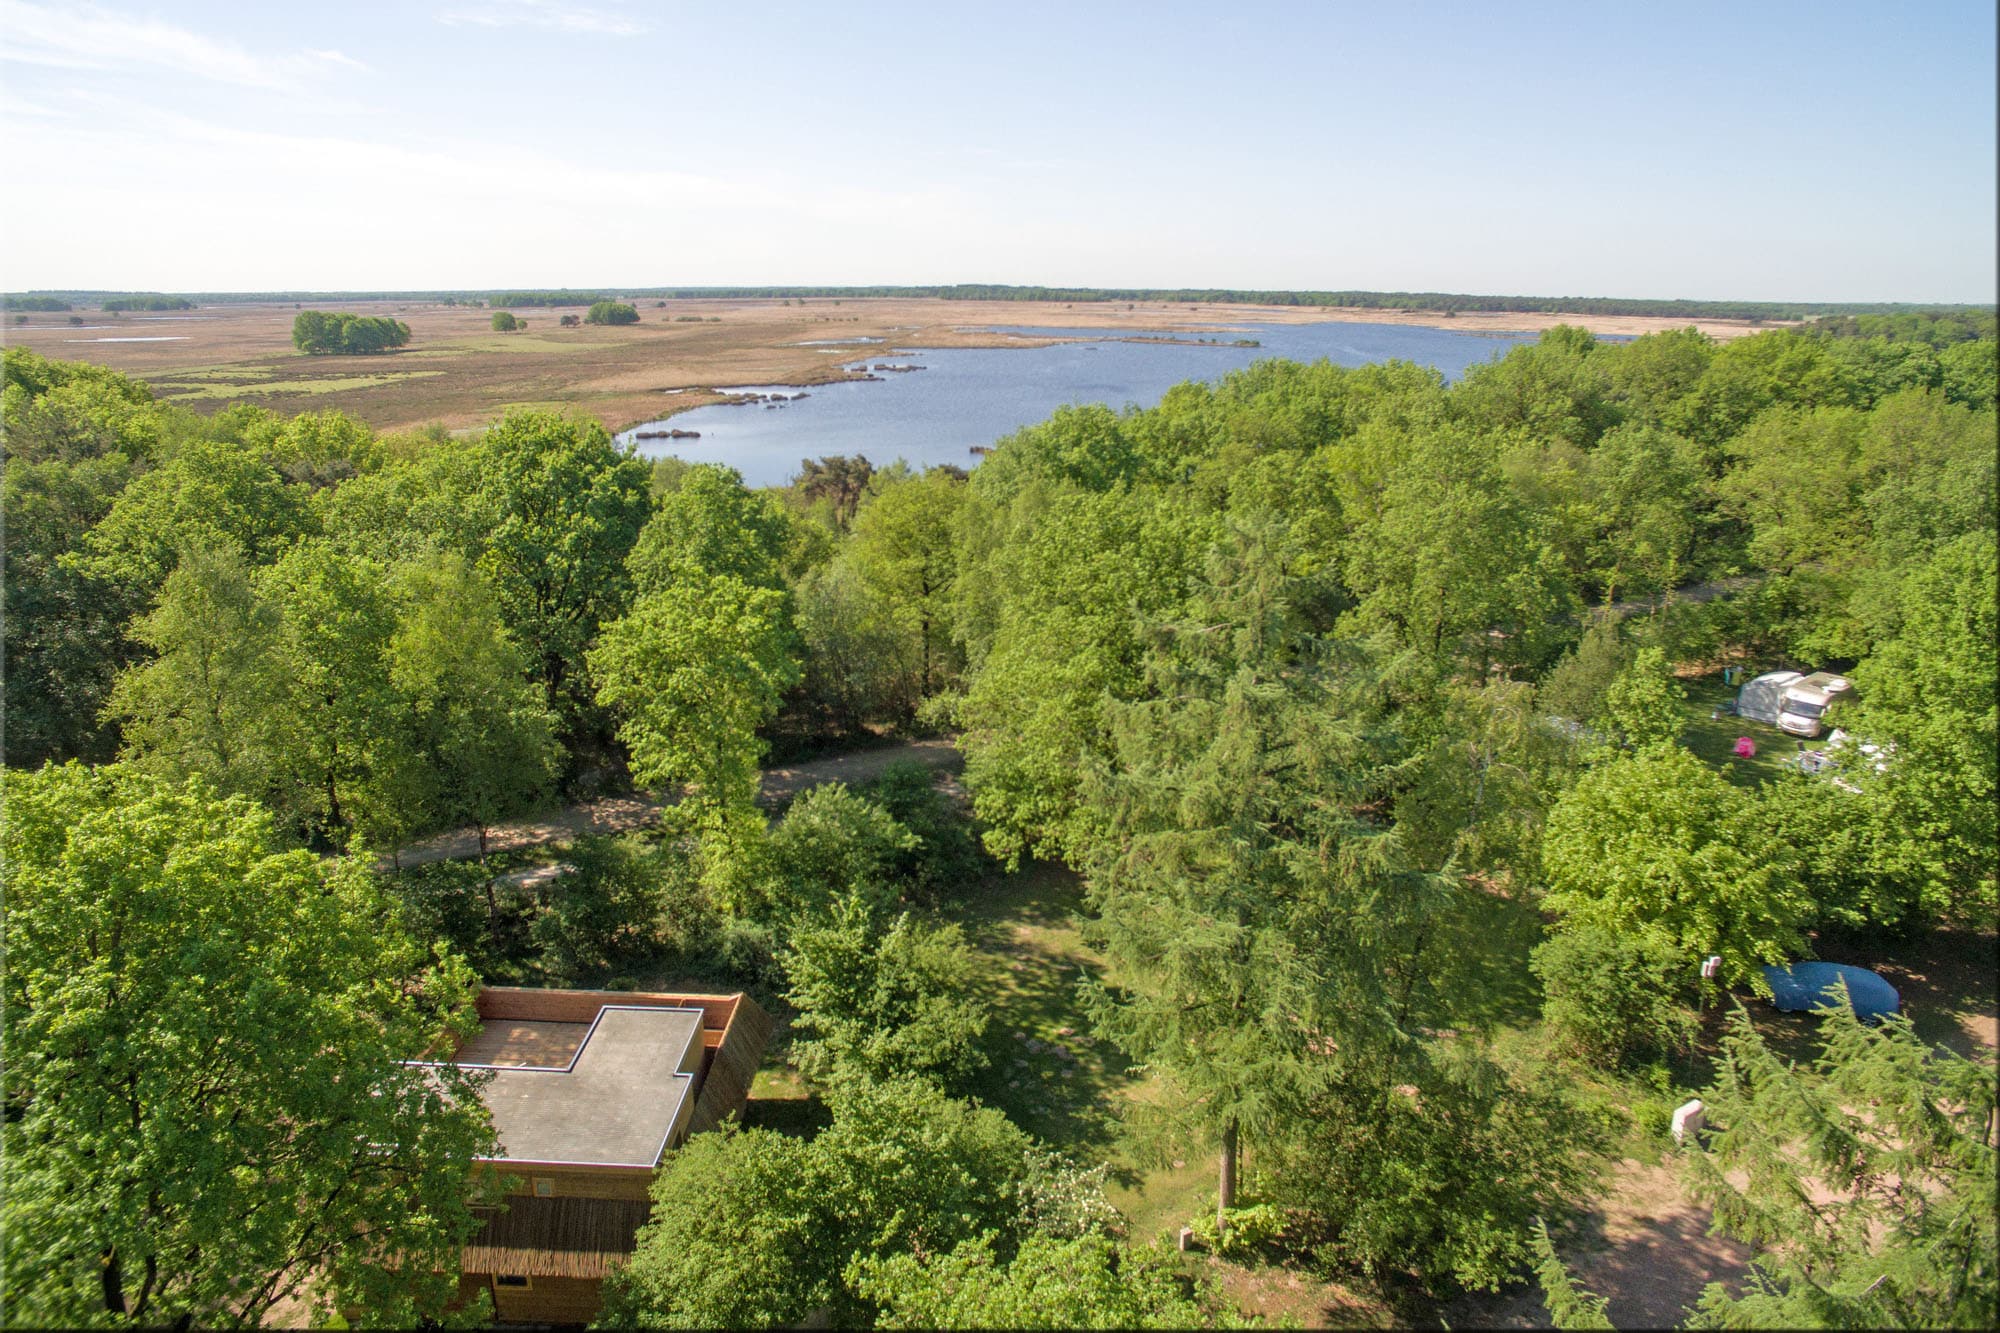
(457, 371)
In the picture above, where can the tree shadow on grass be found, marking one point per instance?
(1642, 1243)
(1046, 1069)
(1491, 939)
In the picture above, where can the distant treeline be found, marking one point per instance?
(1939, 328)
(149, 301)
(1437, 302)
(516, 299)
(1442, 303)
(33, 303)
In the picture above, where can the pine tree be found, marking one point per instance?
(1864, 1181)
(1246, 904)
(1571, 1305)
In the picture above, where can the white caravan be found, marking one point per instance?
(1792, 702)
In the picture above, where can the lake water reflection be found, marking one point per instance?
(966, 397)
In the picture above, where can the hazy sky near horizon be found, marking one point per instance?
(1779, 151)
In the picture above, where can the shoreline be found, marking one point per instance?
(459, 373)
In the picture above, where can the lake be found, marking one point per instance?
(966, 397)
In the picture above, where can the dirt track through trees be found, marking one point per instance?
(618, 814)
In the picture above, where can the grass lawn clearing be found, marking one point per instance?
(1712, 734)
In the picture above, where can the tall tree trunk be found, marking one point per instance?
(112, 1279)
(925, 624)
(492, 903)
(1225, 1194)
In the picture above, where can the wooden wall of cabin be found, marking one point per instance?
(580, 1006)
(545, 1300)
(731, 1064)
(578, 1182)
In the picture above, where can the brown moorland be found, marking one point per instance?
(458, 372)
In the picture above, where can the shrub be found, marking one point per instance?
(611, 312)
(445, 902)
(1062, 1198)
(1243, 1233)
(749, 951)
(619, 900)
(1437, 1177)
(884, 999)
(832, 843)
(948, 857)
(1612, 994)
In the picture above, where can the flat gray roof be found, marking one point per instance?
(614, 1104)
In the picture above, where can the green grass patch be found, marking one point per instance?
(220, 391)
(1712, 733)
(1049, 1071)
(503, 342)
(1045, 1068)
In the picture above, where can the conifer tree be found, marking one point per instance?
(1865, 1181)
(1243, 901)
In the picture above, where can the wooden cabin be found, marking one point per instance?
(588, 1090)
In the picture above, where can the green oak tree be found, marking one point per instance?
(710, 524)
(905, 547)
(883, 998)
(1930, 692)
(480, 732)
(339, 757)
(207, 700)
(1642, 706)
(754, 1229)
(208, 1112)
(1660, 842)
(693, 671)
(1086, 1282)
(556, 507)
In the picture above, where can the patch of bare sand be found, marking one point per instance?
(1643, 1246)
(1295, 1299)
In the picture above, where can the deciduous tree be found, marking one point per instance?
(1659, 841)
(693, 671)
(208, 1112)
(883, 998)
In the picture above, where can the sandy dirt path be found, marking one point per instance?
(1643, 1246)
(617, 814)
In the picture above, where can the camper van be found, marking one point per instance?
(1792, 702)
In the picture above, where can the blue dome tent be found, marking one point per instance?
(1813, 986)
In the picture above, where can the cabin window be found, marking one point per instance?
(545, 1188)
(511, 1280)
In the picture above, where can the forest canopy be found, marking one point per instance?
(1347, 806)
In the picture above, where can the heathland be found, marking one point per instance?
(458, 371)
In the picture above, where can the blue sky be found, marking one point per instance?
(1819, 151)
